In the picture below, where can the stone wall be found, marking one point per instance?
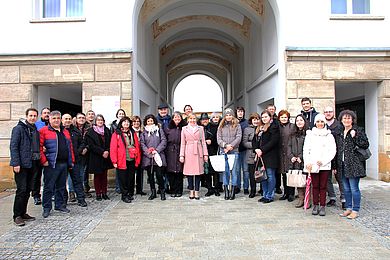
(314, 73)
(100, 74)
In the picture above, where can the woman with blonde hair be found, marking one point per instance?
(229, 138)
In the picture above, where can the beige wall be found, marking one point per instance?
(101, 74)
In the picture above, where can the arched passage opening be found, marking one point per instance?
(202, 92)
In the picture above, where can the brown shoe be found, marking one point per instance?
(299, 204)
(353, 215)
(19, 221)
(27, 217)
(346, 213)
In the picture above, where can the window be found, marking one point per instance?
(350, 6)
(58, 8)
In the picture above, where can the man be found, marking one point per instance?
(90, 117)
(75, 181)
(163, 116)
(240, 114)
(36, 185)
(335, 127)
(24, 150)
(271, 108)
(308, 111)
(57, 158)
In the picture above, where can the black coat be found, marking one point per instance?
(21, 145)
(285, 135)
(346, 147)
(172, 151)
(77, 142)
(211, 134)
(268, 143)
(96, 163)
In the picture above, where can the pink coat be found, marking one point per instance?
(193, 148)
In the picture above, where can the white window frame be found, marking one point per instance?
(37, 13)
(351, 16)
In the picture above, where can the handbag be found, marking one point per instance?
(260, 172)
(363, 154)
(296, 178)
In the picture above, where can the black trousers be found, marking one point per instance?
(127, 179)
(211, 179)
(159, 176)
(36, 182)
(278, 177)
(23, 180)
(193, 182)
(287, 190)
(176, 182)
(139, 179)
(252, 182)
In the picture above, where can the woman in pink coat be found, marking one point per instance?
(193, 153)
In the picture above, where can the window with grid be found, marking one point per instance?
(350, 7)
(58, 8)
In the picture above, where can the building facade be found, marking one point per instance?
(90, 54)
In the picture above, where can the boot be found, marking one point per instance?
(153, 195)
(163, 194)
(216, 192)
(233, 193)
(227, 194)
(299, 204)
(209, 192)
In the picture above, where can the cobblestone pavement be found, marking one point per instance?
(210, 228)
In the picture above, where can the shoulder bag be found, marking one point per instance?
(260, 172)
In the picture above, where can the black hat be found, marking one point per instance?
(204, 116)
(163, 105)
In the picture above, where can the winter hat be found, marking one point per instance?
(204, 116)
(215, 114)
(228, 111)
(320, 117)
(163, 105)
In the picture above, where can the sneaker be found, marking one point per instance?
(353, 215)
(82, 203)
(19, 221)
(63, 210)
(27, 217)
(322, 211)
(316, 210)
(278, 191)
(37, 201)
(331, 203)
(45, 213)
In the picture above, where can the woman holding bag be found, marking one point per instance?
(319, 150)
(193, 153)
(125, 156)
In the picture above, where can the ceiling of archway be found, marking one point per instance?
(198, 56)
(220, 44)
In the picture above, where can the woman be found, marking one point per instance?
(139, 172)
(229, 138)
(193, 153)
(295, 151)
(172, 152)
(98, 138)
(349, 164)
(266, 145)
(187, 111)
(318, 151)
(153, 143)
(114, 125)
(125, 156)
(247, 139)
(286, 129)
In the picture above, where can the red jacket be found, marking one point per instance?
(118, 150)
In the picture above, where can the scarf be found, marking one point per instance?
(99, 129)
(152, 129)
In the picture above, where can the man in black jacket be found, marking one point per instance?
(24, 149)
(308, 111)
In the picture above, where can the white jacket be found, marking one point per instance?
(319, 146)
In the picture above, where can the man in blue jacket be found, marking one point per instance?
(24, 150)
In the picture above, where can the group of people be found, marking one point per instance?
(170, 147)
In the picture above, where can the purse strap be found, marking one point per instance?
(257, 161)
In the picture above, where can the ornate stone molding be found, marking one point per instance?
(231, 49)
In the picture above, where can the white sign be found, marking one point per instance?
(107, 106)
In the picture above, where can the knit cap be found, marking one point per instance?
(320, 117)
(228, 111)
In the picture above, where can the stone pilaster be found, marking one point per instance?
(384, 130)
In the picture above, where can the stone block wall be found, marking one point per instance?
(314, 73)
(100, 74)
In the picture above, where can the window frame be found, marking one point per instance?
(37, 13)
(351, 16)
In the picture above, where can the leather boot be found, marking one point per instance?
(209, 192)
(227, 195)
(233, 193)
(153, 195)
(216, 192)
(163, 194)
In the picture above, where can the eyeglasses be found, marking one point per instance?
(328, 111)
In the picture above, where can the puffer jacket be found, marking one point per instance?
(247, 138)
(346, 151)
(48, 139)
(229, 135)
(118, 148)
(319, 146)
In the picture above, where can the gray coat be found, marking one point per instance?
(285, 135)
(159, 142)
(295, 149)
(229, 135)
(247, 138)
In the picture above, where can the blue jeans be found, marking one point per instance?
(269, 184)
(54, 180)
(226, 173)
(352, 193)
(242, 164)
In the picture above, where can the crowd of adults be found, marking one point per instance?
(168, 147)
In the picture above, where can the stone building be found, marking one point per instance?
(85, 54)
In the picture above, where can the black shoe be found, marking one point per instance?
(37, 201)
(209, 193)
(260, 191)
(142, 193)
(45, 213)
(252, 195)
(27, 217)
(246, 191)
(19, 221)
(278, 191)
(233, 194)
(227, 194)
(290, 198)
(87, 188)
(331, 203)
(99, 197)
(267, 201)
(216, 192)
(343, 206)
(82, 203)
(262, 199)
(105, 197)
(153, 195)
(284, 197)
(131, 197)
(178, 195)
(162, 195)
(237, 190)
(63, 210)
(158, 191)
(126, 200)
